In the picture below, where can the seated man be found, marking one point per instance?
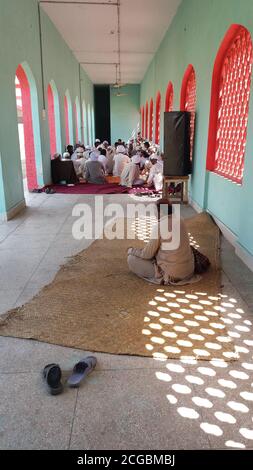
(158, 264)
(155, 177)
(103, 158)
(110, 160)
(120, 160)
(130, 176)
(94, 172)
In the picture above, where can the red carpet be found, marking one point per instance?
(108, 188)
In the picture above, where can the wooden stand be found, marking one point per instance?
(167, 180)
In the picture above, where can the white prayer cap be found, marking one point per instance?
(97, 141)
(136, 159)
(105, 142)
(94, 156)
(154, 156)
(121, 149)
(66, 155)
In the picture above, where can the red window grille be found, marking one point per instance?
(151, 119)
(142, 121)
(146, 122)
(188, 100)
(169, 98)
(230, 104)
(158, 118)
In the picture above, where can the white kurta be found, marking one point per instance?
(120, 161)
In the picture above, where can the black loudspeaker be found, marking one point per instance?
(177, 160)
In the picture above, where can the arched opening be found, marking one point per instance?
(29, 127)
(92, 125)
(146, 121)
(142, 121)
(78, 121)
(54, 119)
(158, 118)
(85, 125)
(68, 119)
(188, 99)
(230, 104)
(89, 126)
(151, 119)
(169, 98)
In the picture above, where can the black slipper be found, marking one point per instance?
(81, 370)
(52, 375)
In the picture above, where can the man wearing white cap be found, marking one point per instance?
(94, 172)
(156, 173)
(131, 174)
(121, 159)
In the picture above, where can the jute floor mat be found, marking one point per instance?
(95, 304)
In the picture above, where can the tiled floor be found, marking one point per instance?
(128, 402)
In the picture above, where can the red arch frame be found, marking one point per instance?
(169, 97)
(142, 121)
(66, 108)
(51, 120)
(187, 75)
(151, 119)
(158, 117)
(146, 121)
(31, 171)
(214, 105)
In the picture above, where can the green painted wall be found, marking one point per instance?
(125, 112)
(194, 37)
(19, 39)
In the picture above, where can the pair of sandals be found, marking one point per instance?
(53, 375)
(50, 191)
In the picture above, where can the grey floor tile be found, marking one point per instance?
(130, 410)
(30, 418)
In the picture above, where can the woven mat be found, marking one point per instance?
(95, 304)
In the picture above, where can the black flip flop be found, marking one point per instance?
(81, 370)
(52, 375)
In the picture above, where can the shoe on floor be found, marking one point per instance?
(81, 370)
(52, 375)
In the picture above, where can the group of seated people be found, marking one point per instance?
(133, 164)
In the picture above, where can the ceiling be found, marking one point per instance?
(90, 28)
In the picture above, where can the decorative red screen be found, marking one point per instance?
(233, 107)
(188, 99)
(151, 119)
(169, 98)
(142, 121)
(158, 118)
(146, 122)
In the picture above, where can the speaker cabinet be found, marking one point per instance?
(177, 143)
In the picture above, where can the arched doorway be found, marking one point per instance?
(89, 125)
(29, 127)
(54, 118)
(78, 121)
(85, 125)
(93, 125)
(68, 119)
